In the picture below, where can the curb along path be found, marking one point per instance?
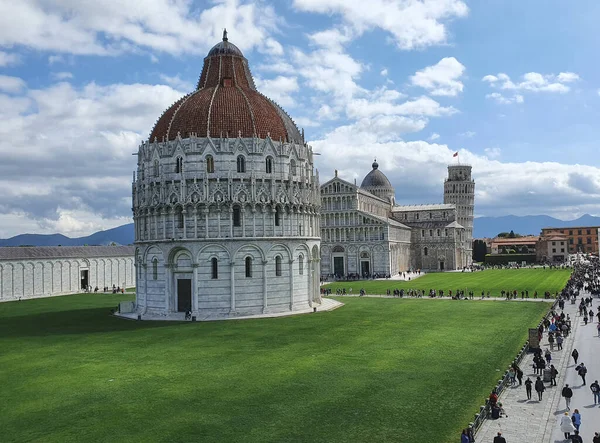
(533, 421)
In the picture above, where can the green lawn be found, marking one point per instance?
(374, 370)
(493, 280)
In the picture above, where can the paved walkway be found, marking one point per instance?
(535, 421)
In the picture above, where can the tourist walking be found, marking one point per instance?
(553, 374)
(576, 438)
(511, 376)
(576, 419)
(499, 439)
(596, 437)
(528, 384)
(575, 355)
(581, 370)
(539, 388)
(566, 425)
(567, 393)
(519, 375)
(559, 342)
(595, 388)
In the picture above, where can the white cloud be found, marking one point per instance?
(78, 143)
(384, 72)
(62, 75)
(441, 78)
(499, 98)
(305, 122)
(492, 153)
(112, 26)
(422, 106)
(279, 89)
(434, 136)
(8, 59)
(467, 134)
(531, 82)
(411, 23)
(543, 187)
(177, 83)
(11, 84)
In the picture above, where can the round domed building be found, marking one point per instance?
(225, 202)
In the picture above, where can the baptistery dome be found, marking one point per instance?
(226, 104)
(226, 203)
(377, 183)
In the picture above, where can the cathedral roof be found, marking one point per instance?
(455, 224)
(376, 179)
(226, 103)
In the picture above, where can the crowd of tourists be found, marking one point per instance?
(557, 328)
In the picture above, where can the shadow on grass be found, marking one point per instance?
(80, 321)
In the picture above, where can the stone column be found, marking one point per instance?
(195, 210)
(243, 217)
(291, 268)
(195, 288)
(206, 222)
(231, 221)
(169, 283)
(232, 308)
(265, 292)
(253, 221)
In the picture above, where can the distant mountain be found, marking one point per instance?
(121, 235)
(482, 227)
(528, 224)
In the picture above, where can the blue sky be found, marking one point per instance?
(511, 85)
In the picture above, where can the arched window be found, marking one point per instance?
(180, 218)
(142, 173)
(301, 264)
(214, 268)
(425, 251)
(179, 165)
(293, 167)
(269, 165)
(248, 267)
(241, 164)
(210, 164)
(237, 216)
(277, 217)
(156, 168)
(278, 266)
(155, 269)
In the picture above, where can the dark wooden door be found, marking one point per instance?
(184, 295)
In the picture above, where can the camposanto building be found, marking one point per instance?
(42, 271)
(226, 203)
(364, 233)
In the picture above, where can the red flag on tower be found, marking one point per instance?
(455, 154)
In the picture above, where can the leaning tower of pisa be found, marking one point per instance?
(459, 189)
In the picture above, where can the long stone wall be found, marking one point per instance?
(43, 278)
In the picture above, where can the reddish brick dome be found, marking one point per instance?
(225, 104)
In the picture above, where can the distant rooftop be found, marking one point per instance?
(408, 208)
(50, 252)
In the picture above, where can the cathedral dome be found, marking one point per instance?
(226, 104)
(378, 184)
(375, 178)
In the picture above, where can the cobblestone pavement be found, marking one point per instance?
(535, 421)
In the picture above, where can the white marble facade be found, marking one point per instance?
(236, 219)
(365, 233)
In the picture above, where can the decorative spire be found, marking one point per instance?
(375, 164)
(225, 34)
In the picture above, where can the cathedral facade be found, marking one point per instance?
(365, 234)
(226, 203)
